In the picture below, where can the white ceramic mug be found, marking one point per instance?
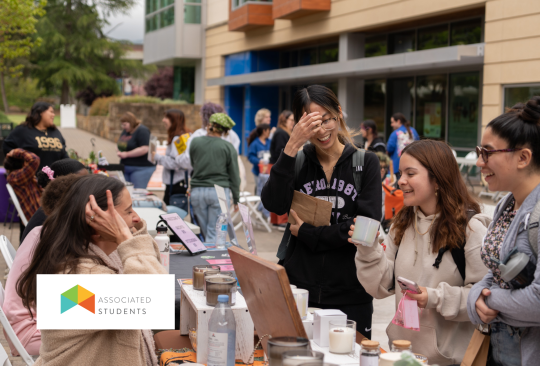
(365, 231)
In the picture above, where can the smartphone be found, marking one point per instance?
(406, 284)
(187, 237)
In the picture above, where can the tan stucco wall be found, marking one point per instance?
(345, 16)
(512, 53)
(217, 12)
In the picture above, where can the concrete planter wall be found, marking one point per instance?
(150, 114)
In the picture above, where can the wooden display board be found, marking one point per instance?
(268, 295)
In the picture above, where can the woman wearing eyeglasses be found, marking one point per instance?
(319, 259)
(510, 161)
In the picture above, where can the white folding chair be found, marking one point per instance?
(11, 333)
(8, 252)
(4, 358)
(470, 156)
(252, 201)
(16, 203)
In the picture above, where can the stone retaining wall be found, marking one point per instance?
(150, 114)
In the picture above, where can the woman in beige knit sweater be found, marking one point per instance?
(94, 230)
(437, 212)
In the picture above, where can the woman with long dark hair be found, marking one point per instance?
(320, 259)
(509, 159)
(175, 122)
(435, 241)
(373, 142)
(38, 135)
(402, 136)
(93, 220)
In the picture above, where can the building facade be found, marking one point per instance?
(449, 66)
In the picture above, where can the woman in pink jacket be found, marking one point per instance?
(24, 326)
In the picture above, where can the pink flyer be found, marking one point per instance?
(219, 261)
(227, 268)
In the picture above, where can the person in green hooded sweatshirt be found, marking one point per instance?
(214, 161)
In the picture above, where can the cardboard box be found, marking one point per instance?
(321, 325)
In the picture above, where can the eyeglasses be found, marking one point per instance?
(485, 153)
(329, 124)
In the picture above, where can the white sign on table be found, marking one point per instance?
(248, 228)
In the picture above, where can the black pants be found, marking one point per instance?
(360, 313)
(21, 231)
(178, 188)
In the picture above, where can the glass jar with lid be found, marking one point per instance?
(369, 353)
(401, 345)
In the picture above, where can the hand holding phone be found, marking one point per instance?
(408, 285)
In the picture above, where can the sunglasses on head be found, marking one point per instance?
(485, 153)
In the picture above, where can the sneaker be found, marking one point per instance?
(279, 227)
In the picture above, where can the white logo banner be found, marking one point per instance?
(118, 301)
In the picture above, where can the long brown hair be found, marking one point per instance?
(326, 98)
(282, 120)
(65, 235)
(178, 124)
(453, 200)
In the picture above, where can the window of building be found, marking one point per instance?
(402, 42)
(519, 94)
(328, 53)
(159, 14)
(192, 12)
(431, 106)
(467, 32)
(433, 37)
(376, 46)
(167, 17)
(464, 99)
(184, 84)
(375, 101)
(239, 3)
(308, 56)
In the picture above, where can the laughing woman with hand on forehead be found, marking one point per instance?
(319, 259)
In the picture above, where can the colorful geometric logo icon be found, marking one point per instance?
(77, 295)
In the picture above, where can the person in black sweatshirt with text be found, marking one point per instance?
(38, 135)
(320, 259)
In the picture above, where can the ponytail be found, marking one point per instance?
(401, 118)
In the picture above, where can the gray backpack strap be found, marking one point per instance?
(358, 167)
(532, 228)
(282, 249)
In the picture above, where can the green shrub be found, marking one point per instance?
(4, 118)
(22, 92)
(100, 106)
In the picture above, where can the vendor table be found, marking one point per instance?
(181, 265)
(151, 216)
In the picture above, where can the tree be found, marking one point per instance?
(75, 54)
(17, 27)
(161, 84)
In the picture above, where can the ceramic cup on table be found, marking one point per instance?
(365, 231)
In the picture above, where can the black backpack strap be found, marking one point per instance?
(282, 249)
(358, 168)
(458, 254)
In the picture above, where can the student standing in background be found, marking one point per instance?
(402, 136)
(259, 152)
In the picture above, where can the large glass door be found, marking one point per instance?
(400, 99)
(431, 106)
(463, 110)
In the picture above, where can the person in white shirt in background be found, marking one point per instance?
(207, 110)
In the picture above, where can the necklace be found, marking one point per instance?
(43, 131)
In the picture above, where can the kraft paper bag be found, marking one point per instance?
(477, 351)
(312, 210)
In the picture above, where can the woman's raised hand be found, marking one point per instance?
(109, 225)
(352, 231)
(305, 129)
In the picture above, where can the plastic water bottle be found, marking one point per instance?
(222, 334)
(221, 231)
(162, 240)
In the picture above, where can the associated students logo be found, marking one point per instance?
(78, 295)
